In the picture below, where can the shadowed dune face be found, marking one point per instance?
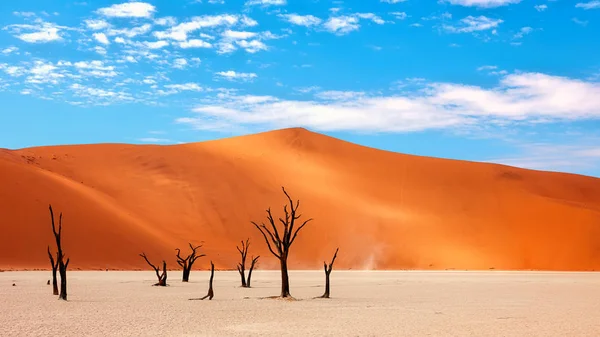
(384, 210)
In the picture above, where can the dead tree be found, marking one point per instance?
(54, 270)
(241, 267)
(188, 262)
(327, 273)
(254, 259)
(162, 277)
(60, 256)
(211, 293)
(279, 242)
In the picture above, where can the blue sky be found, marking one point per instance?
(507, 81)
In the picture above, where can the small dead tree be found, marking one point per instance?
(162, 277)
(327, 273)
(54, 270)
(60, 256)
(254, 260)
(188, 262)
(279, 243)
(211, 293)
(241, 267)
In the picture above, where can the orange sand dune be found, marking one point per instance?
(384, 210)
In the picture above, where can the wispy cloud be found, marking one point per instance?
(553, 157)
(482, 3)
(471, 24)
(235, 76)
(589, 5)
(518, 98)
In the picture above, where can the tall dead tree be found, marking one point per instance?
(327, 273)
(241, 267)
(54, 270)
(60, 256)
(188, 262)
(279, 242)
(162, 277)
(211, 293)
(254, 259)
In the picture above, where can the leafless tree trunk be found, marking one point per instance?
(162, 277)
(241, 267)
(54, 269)
(254, 260)
(60, 256)
(188, 262)
(327, 273)
(279, 243)
(211, 293)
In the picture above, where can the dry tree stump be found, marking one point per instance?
(210, 293)
(327, 273)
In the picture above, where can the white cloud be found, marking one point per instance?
(518, 98)
(157, 44)
(177, 88)
(372, 17)
(95, 69)
(589, 5)
(472, 24)
(393, 1)
(101, 37)
(99, 96)
(266, 2)
(301, 20)
(540, 8)
(180, 63)
(131, 32)
(342, 24)
(166, 21)
(554, 157)
(195, 43)
(522, 32)
(43, 32)
(180, 31)
(345, 24)
(482, 3)
(236, 35)
(96, 24)
(155, 140)
(233, 76)
(253, 46)
(9, 50)
(399, 15)
(128, 10)
(42, 72)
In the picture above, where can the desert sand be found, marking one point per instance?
(384, 210)
(363, 303)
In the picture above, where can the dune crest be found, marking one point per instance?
(384, 210)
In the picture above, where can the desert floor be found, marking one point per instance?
(363, 303)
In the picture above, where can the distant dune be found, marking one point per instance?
(384, 210)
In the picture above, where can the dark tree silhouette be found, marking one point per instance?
(54, 270)
(254, 260)
(211, 293)
(279, 242)
(327, 273)
(60, 256)
(162, 277)
(241, 267)
(188, 262)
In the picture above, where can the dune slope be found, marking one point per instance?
(384, 210)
